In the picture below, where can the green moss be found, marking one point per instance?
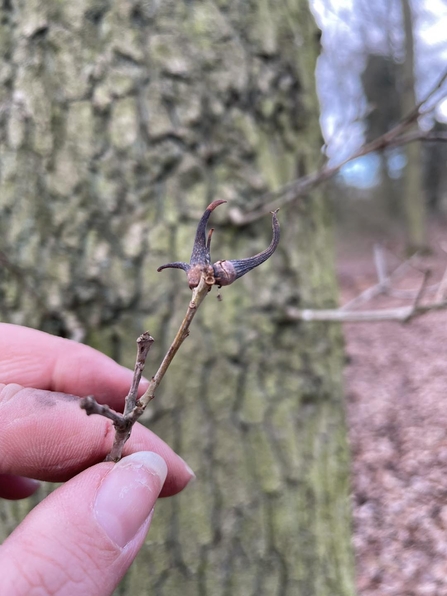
(124, 124)
(136, 118)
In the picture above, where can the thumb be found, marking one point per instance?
(83, 537)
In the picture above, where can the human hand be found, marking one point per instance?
(83, 537)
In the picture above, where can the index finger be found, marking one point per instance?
(45, 435)
(36, 359)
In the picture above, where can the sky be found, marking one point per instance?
(352, 29)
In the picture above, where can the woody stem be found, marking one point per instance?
(198, 295)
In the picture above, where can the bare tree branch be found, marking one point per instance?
(402, 314)
(134, 407)
(198, 295)
(201, 277)
(384, 284)
(442, 288)
(296, 189)
(91, 406)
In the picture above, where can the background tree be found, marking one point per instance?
(414, 207)
(389, 86)
(380, 59)
(434, 161)
(120, 122)
(380, 82)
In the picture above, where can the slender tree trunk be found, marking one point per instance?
(414, 207)
(120, 122)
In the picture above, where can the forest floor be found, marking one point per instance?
(396, 387)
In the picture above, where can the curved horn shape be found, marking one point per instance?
(226, 272)
(201, 249)
(176, 265)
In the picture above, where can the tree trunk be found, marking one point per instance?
(120, 122)
(413, 199)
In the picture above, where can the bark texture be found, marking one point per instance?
(119, 123)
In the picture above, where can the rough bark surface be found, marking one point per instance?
(119, 123)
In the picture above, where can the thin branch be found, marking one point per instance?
(380, 264)
(201, 277)
(402, 314)
(144, 343)
(420, 293)
(383, 287)
(295, 189)
(91, 406)
(198, 295)
(410, 294)
(135, 407)
(132, 410)
(442, 288)
(419, 135)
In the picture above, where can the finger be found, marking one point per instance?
(36, 359)
(17, 487)
(45, 435)
(83, 537)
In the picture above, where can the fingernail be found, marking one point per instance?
(32, 484)
(189, 470)
(127, 495)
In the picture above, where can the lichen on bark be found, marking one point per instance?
(121, 122)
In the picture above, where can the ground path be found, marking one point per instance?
(396, 385)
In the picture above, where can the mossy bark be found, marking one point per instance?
(120, 123)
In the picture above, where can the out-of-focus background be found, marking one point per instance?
(119, 123)
(379, 60)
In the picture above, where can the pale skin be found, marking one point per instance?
(85, 535)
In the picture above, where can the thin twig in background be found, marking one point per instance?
(403, 314)
(420, 293)
(442, 288)
(295, 189)
(382, 287)
(380, 263)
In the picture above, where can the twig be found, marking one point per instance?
(440, 294)
(144, 343)
(135, 407)
(295, 189)
(410, 294)
(402, 314)
(419, 135)
(201, 275)
(91, 406)
(132, 410)
(421, 291)
(380, 263)
(379, 288)
(198, 295)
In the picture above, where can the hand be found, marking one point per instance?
(83, 537)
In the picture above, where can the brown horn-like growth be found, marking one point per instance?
(222, 273)
(226, 272)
